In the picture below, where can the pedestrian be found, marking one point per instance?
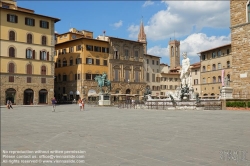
(83, 100)
(53, 101)
(80, 103)
(10, 103)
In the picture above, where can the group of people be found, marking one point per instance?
(9, 104)
(80, 102)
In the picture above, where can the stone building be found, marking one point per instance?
(215, 64)
(195, 73)
(174, 53)
(240, 37)
(79, 58)
(26, 55)
(152, 73)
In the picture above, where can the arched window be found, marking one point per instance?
(219, 78)
(12, 35)
(11, 52)
(214, 79)
(29, 38)
(214, 67)
(43, 55)
(64, 62)
(29, 54)
(29, 69)
(43, 70)
(228, 64)
(203, 68)
(44, 40)
(11, 71)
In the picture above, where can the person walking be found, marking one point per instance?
(10, 103)
(53, 101)
(80, 103)
(83, 100)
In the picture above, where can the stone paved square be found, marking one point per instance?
(108, 136)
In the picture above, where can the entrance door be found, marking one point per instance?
(28, 97)
(10, 95)
(43, 96)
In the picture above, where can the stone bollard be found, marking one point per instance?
(223, 104)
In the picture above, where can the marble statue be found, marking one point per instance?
(185, 71)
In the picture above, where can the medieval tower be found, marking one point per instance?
(142, 37)
(240, 36)
(174, 53)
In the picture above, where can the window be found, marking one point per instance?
(89, 47)
(147, 76)
(219, 53)
(136, 55)
(78, 60)
(12, 18)
(219, 78)
(64, 51)
(64, 62)
(43, 55)
(44, 40)
(126, 75)
(147, 61)
(195, 72)
(116, 75)
(12, 35)
(44, 24)
(71, 49)
(228, 64)
(97, 61)
(28, 53)
(88, 76)
(11, 52)
(43, 70)
(59, 63)
(214, 79)
(29, 38)
(153, 77)
(75, 76)
(29, 21)
(104, 49)
(11, 71)
(105, 62)
(78, 48)
(71, 62)
(195, 81)
(248, 10)
(204, 80)
(5, 6)
(219, 65)
(157, 62)
(214, 67)
(29, 72)
(203, 57)
(64, 77)
(89, 60)
(126, 54)
(97, 49)
(214, 55)
(137, 76)
(203, 68)
(228, 51)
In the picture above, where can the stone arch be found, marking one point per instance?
(10, 94)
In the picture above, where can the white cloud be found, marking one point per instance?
(147, 3)
(133, 29)
(193, 44)
(117, 24)
(186, 17)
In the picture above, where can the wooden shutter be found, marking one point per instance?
(47, 55)
(93, 61)
(34, 54)
(16, 19)
(26, 20)
(47, 25)
(40, 23)
(8, 17)
(33, 22)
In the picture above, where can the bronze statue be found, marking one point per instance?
(103, 81)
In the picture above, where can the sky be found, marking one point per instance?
(198, 25)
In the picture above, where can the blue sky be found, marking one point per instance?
(199, 25)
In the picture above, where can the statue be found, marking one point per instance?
(185, 71)
(184, 90)
(226, 81)
(147, 92)
(102, 82)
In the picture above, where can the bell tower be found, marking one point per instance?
(142, 37)
(174, 53)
